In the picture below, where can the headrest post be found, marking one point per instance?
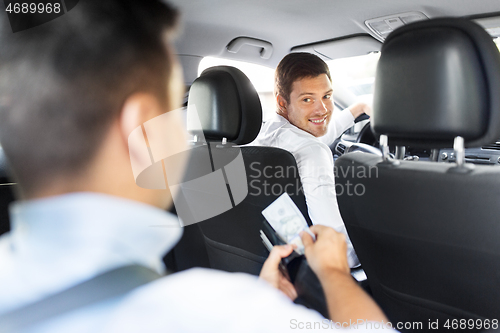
(384, 147)
(458, 147)
(400, 152)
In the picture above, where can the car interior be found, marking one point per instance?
(425, 228)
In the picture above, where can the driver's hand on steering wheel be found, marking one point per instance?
(357, 109)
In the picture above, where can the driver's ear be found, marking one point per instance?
(282, 106)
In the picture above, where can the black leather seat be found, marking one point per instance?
(426, 233)
(229, 108)
(6, 193)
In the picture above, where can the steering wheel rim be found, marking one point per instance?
(366, 136)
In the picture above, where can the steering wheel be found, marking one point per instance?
(367, 137)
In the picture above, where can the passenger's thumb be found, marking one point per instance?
(306, 239)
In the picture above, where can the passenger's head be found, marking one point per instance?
(71, 87)
(303, 92)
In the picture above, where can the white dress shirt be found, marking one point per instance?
(315, 163)
(58, 242)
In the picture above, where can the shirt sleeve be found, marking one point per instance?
(315, 165)
(339, 123)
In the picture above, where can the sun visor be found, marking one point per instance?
(342, 47)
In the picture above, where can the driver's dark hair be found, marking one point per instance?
(296, 66)
(62, 83)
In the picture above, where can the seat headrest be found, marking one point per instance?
(436, 80)
(228, 105)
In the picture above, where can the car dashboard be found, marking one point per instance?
(485, 155)
(489, 155)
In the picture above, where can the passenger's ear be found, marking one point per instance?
(137, 109)
(282, 106)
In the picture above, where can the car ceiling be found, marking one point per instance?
(209, 25)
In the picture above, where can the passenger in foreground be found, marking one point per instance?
(72, 91)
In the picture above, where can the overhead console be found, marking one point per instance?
(381, 27)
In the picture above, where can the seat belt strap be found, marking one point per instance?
(114, 283)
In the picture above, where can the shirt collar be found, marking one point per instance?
(280, 119)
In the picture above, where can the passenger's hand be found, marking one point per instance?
(357, 109)
(271, 273)
(328, 254)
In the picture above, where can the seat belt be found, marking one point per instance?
(116, 282)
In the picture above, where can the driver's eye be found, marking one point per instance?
(327, 96)
(307, 100)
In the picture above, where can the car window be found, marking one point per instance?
(356, 74)
(262, 78)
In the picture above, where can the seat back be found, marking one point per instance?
(232, 239)
(427, 237)
(427, 233)
(229, 109)
(6, 194)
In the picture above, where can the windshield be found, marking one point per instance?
(262, 78)
(353, 78)
(356, 75)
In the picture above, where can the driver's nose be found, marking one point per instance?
(321, 108)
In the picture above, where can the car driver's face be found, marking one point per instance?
(311, 104)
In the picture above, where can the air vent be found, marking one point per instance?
(474, 157)
(493, 146)
(381, 27)
(341, 149)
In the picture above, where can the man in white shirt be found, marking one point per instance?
(72, 91)
(306, 126)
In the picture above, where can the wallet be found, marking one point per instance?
(295, 267)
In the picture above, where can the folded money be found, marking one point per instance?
(287, 220)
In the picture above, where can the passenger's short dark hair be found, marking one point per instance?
(62, 83)
(296, 66)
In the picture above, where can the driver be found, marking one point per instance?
(306, 126)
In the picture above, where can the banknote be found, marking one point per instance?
(287, 220)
